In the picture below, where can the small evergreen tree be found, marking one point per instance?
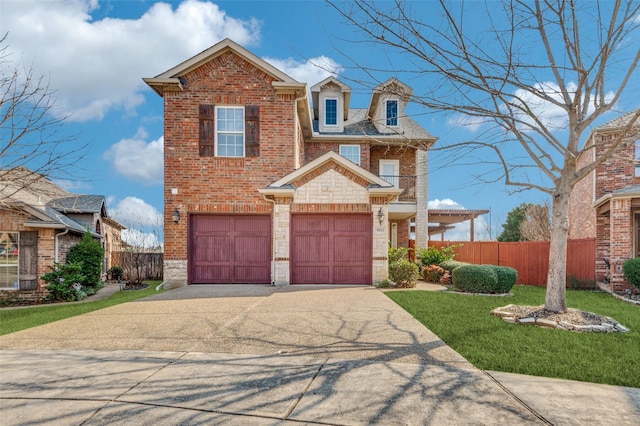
(511, 228)
(89, 254)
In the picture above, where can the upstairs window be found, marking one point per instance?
(229, 131)
(392, 113)
(331, 112)
(351, 152)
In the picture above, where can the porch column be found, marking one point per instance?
(422, 214)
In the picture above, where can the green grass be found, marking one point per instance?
(465, 323)
(12, 320)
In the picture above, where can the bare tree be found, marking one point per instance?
(33, 144)
(536, 225)
(535, 74)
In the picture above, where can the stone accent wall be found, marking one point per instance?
(331, 188)
(380, 244)
(175, 273)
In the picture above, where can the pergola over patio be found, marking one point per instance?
(441, 220)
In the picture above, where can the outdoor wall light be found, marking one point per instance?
(380, 216)
(175, 216)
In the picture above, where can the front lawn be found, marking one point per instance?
(22, 318)
(464, 322)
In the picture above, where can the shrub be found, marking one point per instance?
(450, 265)
(432, 256)
(475, 278)
(446, 279)
(432, 273)
(386, 283)
(575, 283)
(89, 254)
(64, 282)
(115, 273)
(507, 278)
(631, 270)
(397, 254)
(403, 273)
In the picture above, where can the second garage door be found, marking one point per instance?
(331, 249)
(229, 249)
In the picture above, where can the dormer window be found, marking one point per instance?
(392, 113)
(331, 112)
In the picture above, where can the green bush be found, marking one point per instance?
(475, 278)
(631, 270)
(403, 273)
(450, 265)
(89, 254)
(507, 278)
(432, 256)
(397, 254)
(64, 282)
(116, 273)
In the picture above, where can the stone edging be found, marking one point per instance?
(606, 327)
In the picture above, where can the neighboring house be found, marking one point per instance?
(262, 187)
(605, 205)
(39, 223)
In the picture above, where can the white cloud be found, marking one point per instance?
(137, 159)
(462, 231)
(143, 221)
(311, 71)
(135, 213)
(552, 116)
(96, 66)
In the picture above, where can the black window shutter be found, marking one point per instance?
(252, 130)
(207, 130)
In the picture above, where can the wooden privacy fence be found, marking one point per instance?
(150, 263)
(529, 258)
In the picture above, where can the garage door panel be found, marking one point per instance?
(331, 249)
(311, 248)
(354, 248)
(227, 249)
(352, 275)
(251, 249)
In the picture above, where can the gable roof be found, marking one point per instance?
(376, 185)
(170, 80)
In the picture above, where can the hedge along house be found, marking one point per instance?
(263, 187)
(39, 223)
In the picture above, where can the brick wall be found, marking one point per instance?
(406, 156)
(582, 215)
(217, 184)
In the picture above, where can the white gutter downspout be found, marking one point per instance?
(56, 251)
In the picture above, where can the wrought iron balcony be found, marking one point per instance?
(407, 183)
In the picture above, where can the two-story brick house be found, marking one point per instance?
(605, 205)
(264, 186)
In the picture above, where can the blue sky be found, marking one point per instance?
(95, 54)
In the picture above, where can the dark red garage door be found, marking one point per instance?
(331, 249)
(230, 249)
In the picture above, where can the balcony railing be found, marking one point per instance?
(407, 183)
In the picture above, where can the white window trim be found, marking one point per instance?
(337, 112)
(13, 287)
(350, 146)
(396, 163)
(386, 117)
(217, 131)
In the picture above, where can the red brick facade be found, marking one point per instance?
(603, 205)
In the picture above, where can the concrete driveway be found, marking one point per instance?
(272, 355)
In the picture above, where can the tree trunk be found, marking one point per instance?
(557, 276)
